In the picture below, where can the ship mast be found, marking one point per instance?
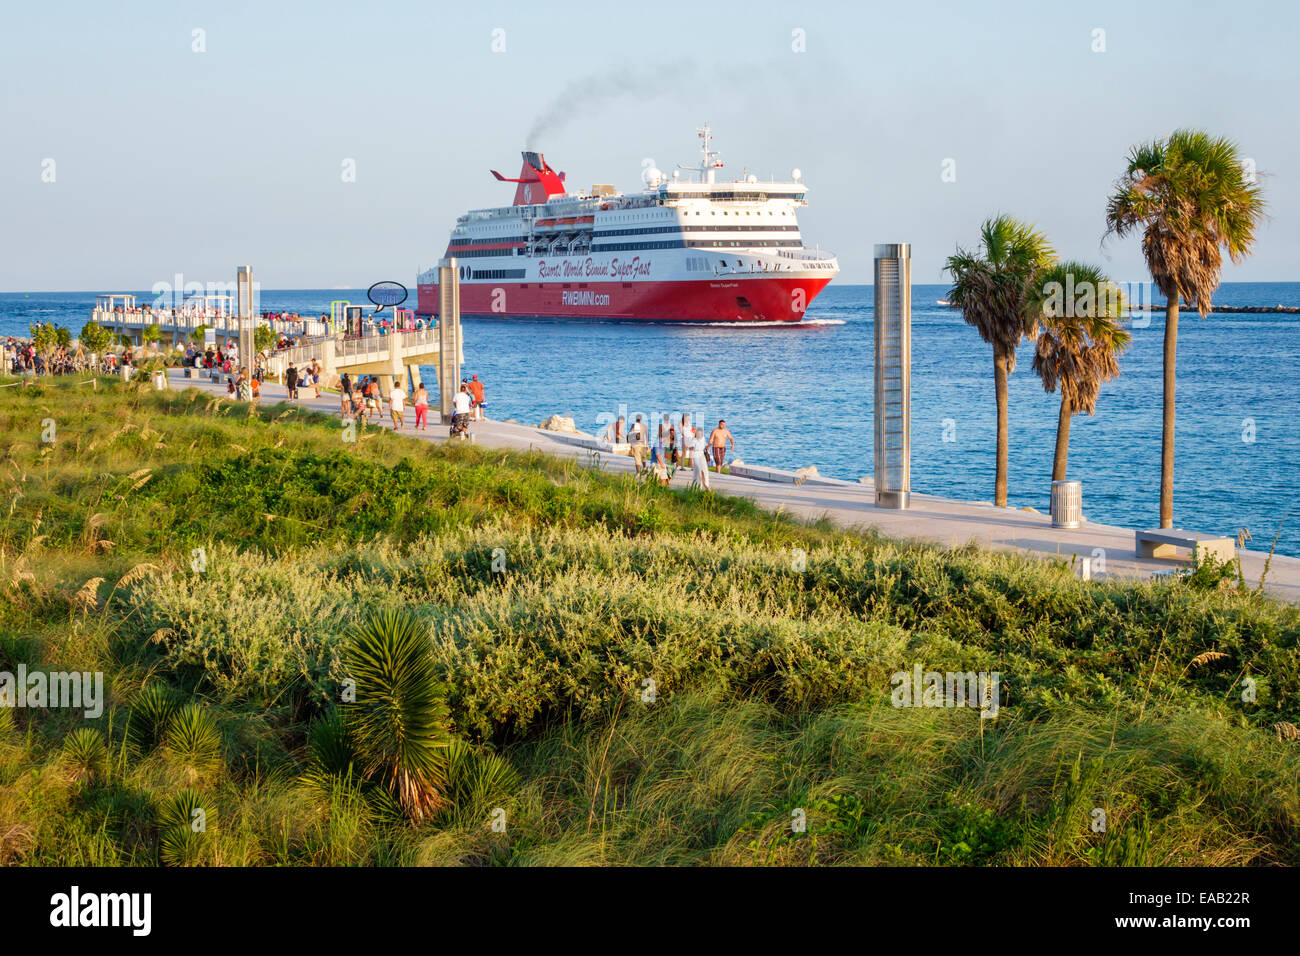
(709, 161)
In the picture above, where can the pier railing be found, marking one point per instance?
(334, 351)
(188, 321)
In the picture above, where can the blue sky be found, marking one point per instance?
(168, 160)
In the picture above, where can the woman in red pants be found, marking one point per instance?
(421, 407)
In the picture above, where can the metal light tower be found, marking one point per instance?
(448, 336)
(893, 396)
(247, 318)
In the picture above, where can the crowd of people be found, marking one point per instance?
(363, 400)
(676, 443)
(24, 359)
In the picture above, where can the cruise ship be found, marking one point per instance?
(690, 247)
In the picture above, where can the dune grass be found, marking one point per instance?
(665, 676)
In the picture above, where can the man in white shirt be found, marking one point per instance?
(397, 404)
(460, 410)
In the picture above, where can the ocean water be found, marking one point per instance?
(802, 395)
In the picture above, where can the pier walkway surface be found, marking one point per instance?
(930, 518)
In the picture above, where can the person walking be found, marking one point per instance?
(291, 381)
(421, 407)
(397, 405)
(462, 404)
(686, 438)
(659, 453)
(476, 391)
(345, 394)
(699, 460)
(718, 440)
(614, 431)
(637, 435)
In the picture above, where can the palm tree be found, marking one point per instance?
(1192, 198)
(1078, 307)
(993, 287)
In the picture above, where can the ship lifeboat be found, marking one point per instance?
(545, 223)
(565, 222)
(586, 220)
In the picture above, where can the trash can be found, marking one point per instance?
(1067, 504)
(127, 372)
(160, 380)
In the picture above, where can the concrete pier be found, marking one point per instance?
(392, 357)
(119, 314)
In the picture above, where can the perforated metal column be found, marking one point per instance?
(448, 335)
(893, 395)
(247, 318)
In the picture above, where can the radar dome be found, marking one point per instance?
(796, 175)
(651, 176)
(751, 178)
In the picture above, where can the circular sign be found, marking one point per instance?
(387, 293)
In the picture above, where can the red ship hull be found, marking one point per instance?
(725, 299)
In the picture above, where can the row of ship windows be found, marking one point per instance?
(638, 231)
(695, 244)
(609, 233)
(649, 229)
(736, 196)
(664, 214)
(495, 273)
(625, 246)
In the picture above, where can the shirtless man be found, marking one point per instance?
(615, 432)
(718, 441)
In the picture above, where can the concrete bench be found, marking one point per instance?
(1162, 543)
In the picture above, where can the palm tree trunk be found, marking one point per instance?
(1000, 388)
(1167, 439)
(1062, 441)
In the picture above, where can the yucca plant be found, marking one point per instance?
(150, 713)
(186, 822)
(193, 739)
(477, 780)
(399, 720)
(85, 753)
(331, 747)
(333, 767)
